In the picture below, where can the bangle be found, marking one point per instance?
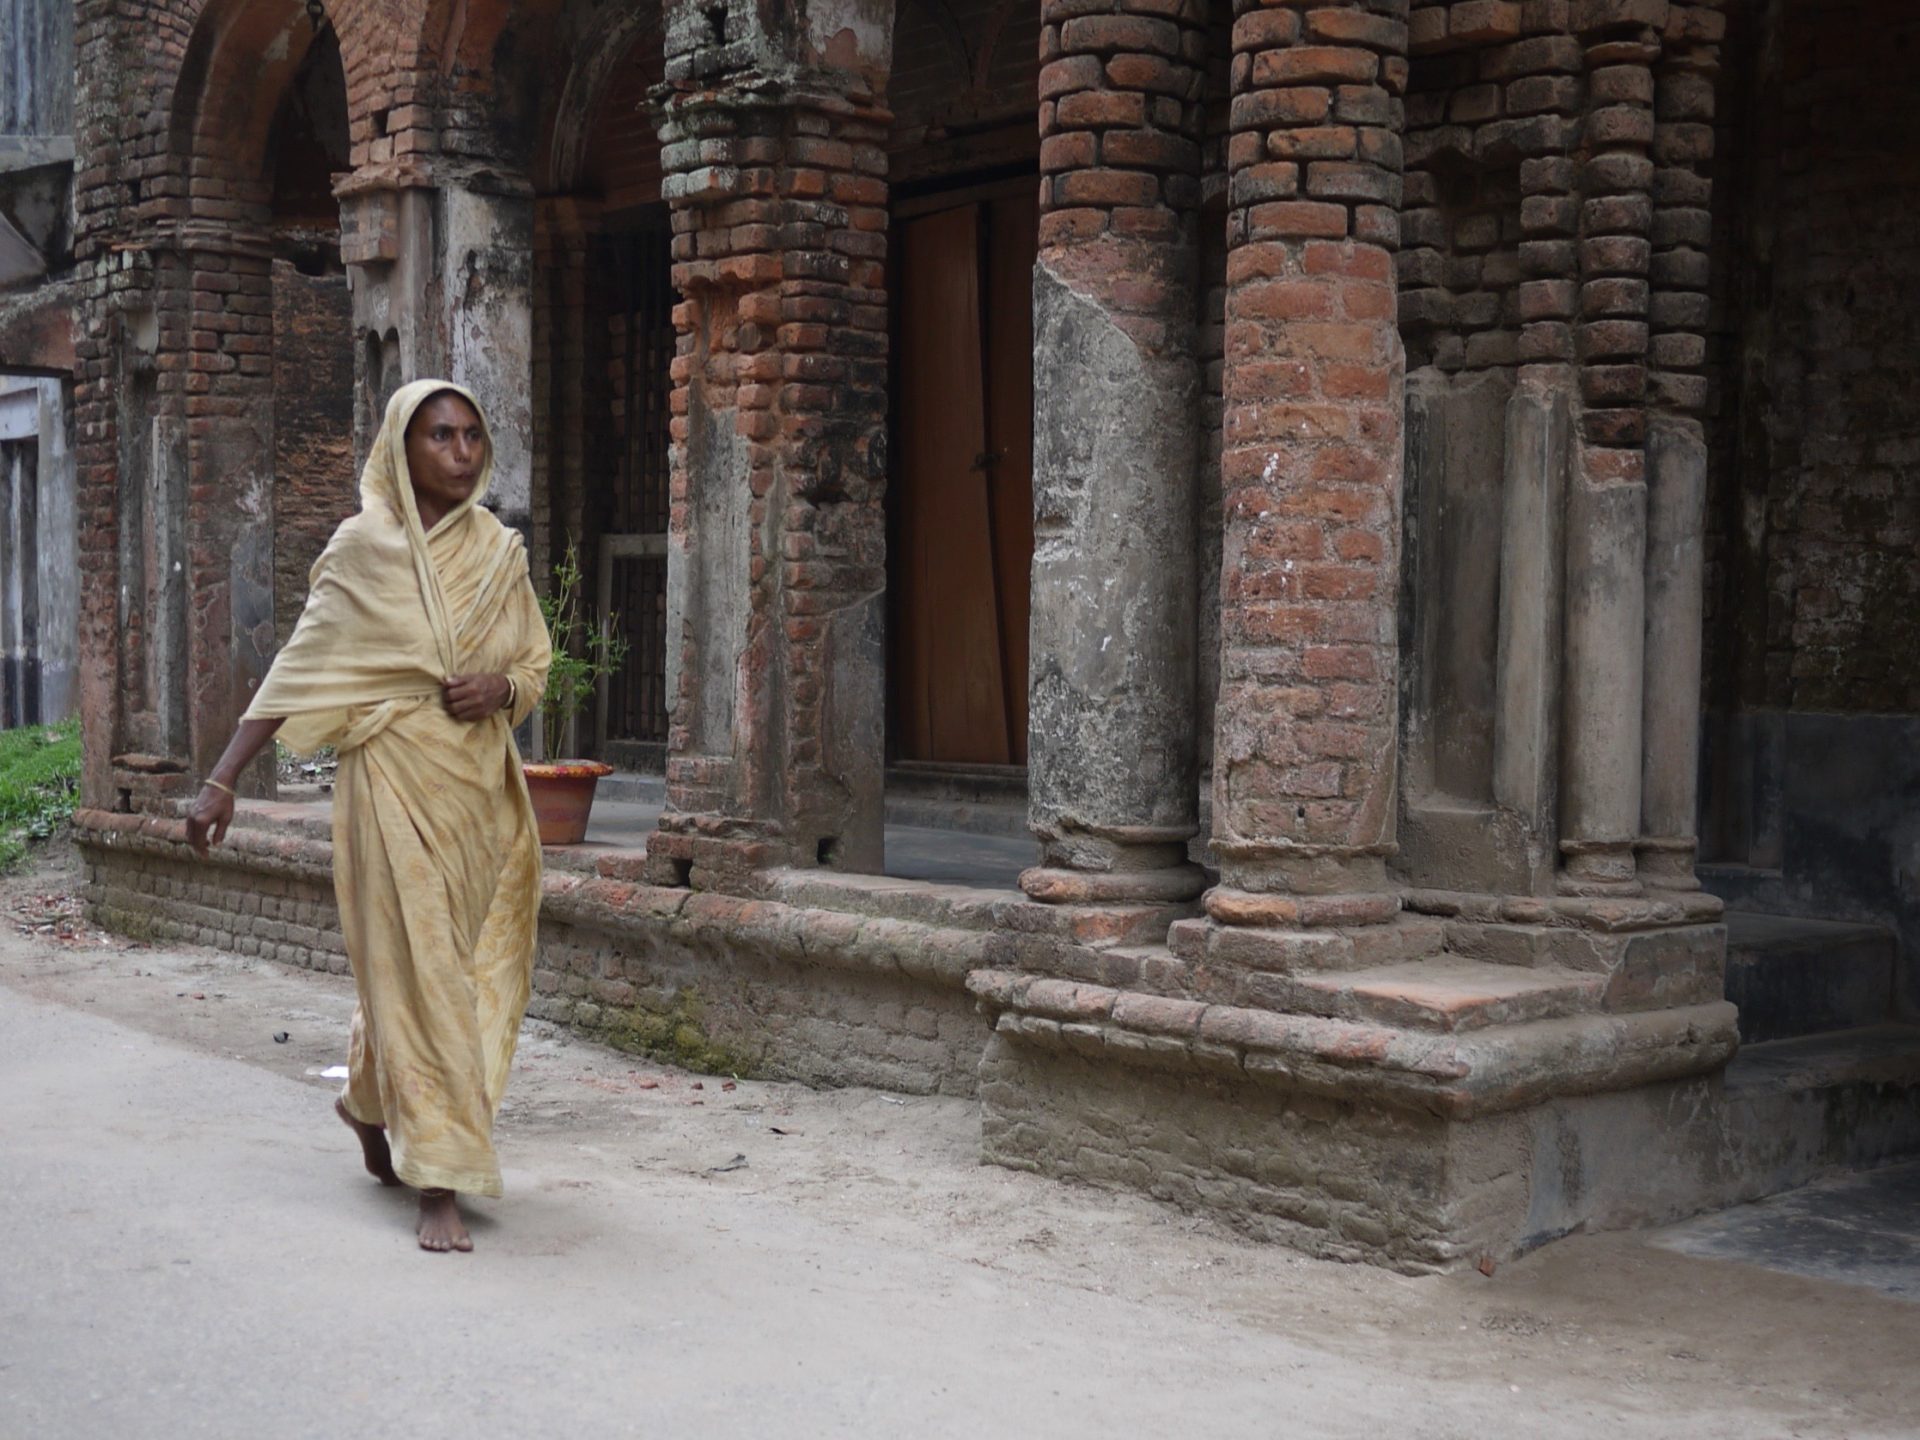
(218, 786)
(513, 694)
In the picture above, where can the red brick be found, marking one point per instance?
(1315, 64)
(1298, 218)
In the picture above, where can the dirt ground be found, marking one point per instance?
(679, 1254)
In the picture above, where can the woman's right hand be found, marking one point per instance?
(207, 821)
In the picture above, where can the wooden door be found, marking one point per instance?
(963, 482)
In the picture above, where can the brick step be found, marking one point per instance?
(1879, 1062)
(1794, 977)
(1447, 994)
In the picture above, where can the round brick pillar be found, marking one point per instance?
(1607, 505)
(1111, 771)
(1305, 742)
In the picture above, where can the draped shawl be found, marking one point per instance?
(379, 625)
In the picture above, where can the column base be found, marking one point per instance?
(1052, 885)
(1397, 1092)
(1113, 865)
(1667, 863)
(1599, 868)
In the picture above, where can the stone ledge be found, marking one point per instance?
(250, 847)
(1611, 915)
(1454, 1076)
(806, 936)
(803, 993)
(802, 934)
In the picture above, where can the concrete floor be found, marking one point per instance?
(914, 852)
(1860, 1229)
(192, 1250)
(949, 844)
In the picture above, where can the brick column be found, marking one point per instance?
(1676, 443)
(1607, 503)
(1305, 743)
(776, 558)
(1113, 793)
(229, 513)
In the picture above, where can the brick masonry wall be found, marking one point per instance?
(227, 905)
(723, 1006)
(962, 87)
(1344, 1181)
(623, 153)
(314, 486)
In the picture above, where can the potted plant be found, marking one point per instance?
(583, 656)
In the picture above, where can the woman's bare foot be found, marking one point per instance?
(373, 1141)
(441, 1227)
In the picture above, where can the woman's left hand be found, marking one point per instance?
(474, 697)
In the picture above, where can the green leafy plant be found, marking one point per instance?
(583, 654)
(39, 785)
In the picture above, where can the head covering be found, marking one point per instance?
(392, 608)
(388, 480)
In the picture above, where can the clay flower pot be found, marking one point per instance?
(562, 794)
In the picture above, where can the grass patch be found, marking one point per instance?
(39, 784)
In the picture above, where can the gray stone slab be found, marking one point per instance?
(1859, 1229)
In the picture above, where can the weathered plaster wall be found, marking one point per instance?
(1813, 632)
(1826, 484)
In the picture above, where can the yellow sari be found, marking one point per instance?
(436, 857)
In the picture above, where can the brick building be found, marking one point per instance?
(1338, 465)
(39, 569)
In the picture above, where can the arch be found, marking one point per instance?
(600, 52)
(241, 59)
(964, 64)
(928, 46)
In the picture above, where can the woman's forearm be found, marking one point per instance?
(248, 741)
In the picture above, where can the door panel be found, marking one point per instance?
(950, 690)
(1013, 228)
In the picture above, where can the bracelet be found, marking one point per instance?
(513, 694)
(218, 786)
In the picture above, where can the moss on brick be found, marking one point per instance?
(675, 1034)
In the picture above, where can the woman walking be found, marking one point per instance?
(420, 647)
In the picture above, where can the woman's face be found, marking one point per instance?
(446, 449)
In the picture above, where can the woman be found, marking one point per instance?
(420, 647)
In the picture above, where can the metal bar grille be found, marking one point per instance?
(632, 572)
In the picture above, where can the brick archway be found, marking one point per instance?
(240, 58)
(253, 374)
(600, 54)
